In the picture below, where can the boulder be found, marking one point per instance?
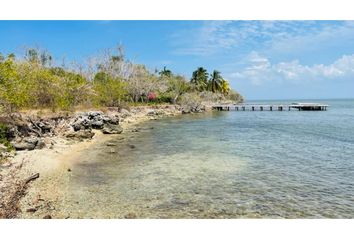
(124, 113)
(81, 134)
(152, 113)
(97, 124)
(82, 122)
(25, 144)
(94, 114)
(109, 128)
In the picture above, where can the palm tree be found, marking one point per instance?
(215, 81)
(165, 72)
(225, 87)
(200, 78)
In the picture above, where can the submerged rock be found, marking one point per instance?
(109, 128)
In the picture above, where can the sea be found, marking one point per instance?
(223, 164)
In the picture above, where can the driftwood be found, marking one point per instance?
(31, 178)
(39, 131)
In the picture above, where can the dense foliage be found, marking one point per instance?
(33, 81)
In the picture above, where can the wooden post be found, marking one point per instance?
(261, 108)
(271, 108)
(252, 108)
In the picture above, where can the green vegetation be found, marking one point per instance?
(3, 137)
(34, 81)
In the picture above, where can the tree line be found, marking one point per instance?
(108, 80)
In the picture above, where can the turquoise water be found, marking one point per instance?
(290, 164)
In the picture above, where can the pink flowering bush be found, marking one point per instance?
(152, 96)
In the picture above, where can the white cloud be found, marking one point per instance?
(282, 36)
(259, 70)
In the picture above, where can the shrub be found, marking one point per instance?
(191, 102)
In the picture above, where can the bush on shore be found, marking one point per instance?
(33, 81)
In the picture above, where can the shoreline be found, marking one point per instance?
(38, 198)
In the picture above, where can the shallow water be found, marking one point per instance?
(293, 164)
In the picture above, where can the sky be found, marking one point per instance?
(261, 59)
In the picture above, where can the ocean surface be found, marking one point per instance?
(290, 164)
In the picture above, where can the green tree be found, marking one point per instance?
(200, 79)
(177, 86)
(215, 82)
(13, 89)
(108, 91)
(165, 72)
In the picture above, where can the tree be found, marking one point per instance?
(165, 72)
(215, 81)
(109, 91)
(13, 89)
(200, 79)
(37, 56)
(225, 87)
(177, 86)
(141, 83)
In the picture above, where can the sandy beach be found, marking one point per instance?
(40, 197)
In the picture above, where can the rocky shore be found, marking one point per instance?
(42, 149)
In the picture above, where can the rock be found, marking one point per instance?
(124, 113)
(47, 217)
(135, 130)
(132, 146)
(81, 134)
(81, 123)
(40, 144)
(69, 170)
(48, 141)
(94, 114)
(31, 210)
(130, 216)
(97, 124)
(26, 144)
(45, 126)
(114, 120)
(111, 144)
(152, 113)
(112, 129)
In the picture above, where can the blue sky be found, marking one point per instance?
(261, 59)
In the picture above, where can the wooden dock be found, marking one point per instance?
(272, 107)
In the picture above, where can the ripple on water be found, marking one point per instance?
(223, 165)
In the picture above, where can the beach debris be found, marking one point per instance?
(130, 216)
(31, 210)
(31, 178)
(47, 216)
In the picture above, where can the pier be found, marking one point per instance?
(272, 107)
